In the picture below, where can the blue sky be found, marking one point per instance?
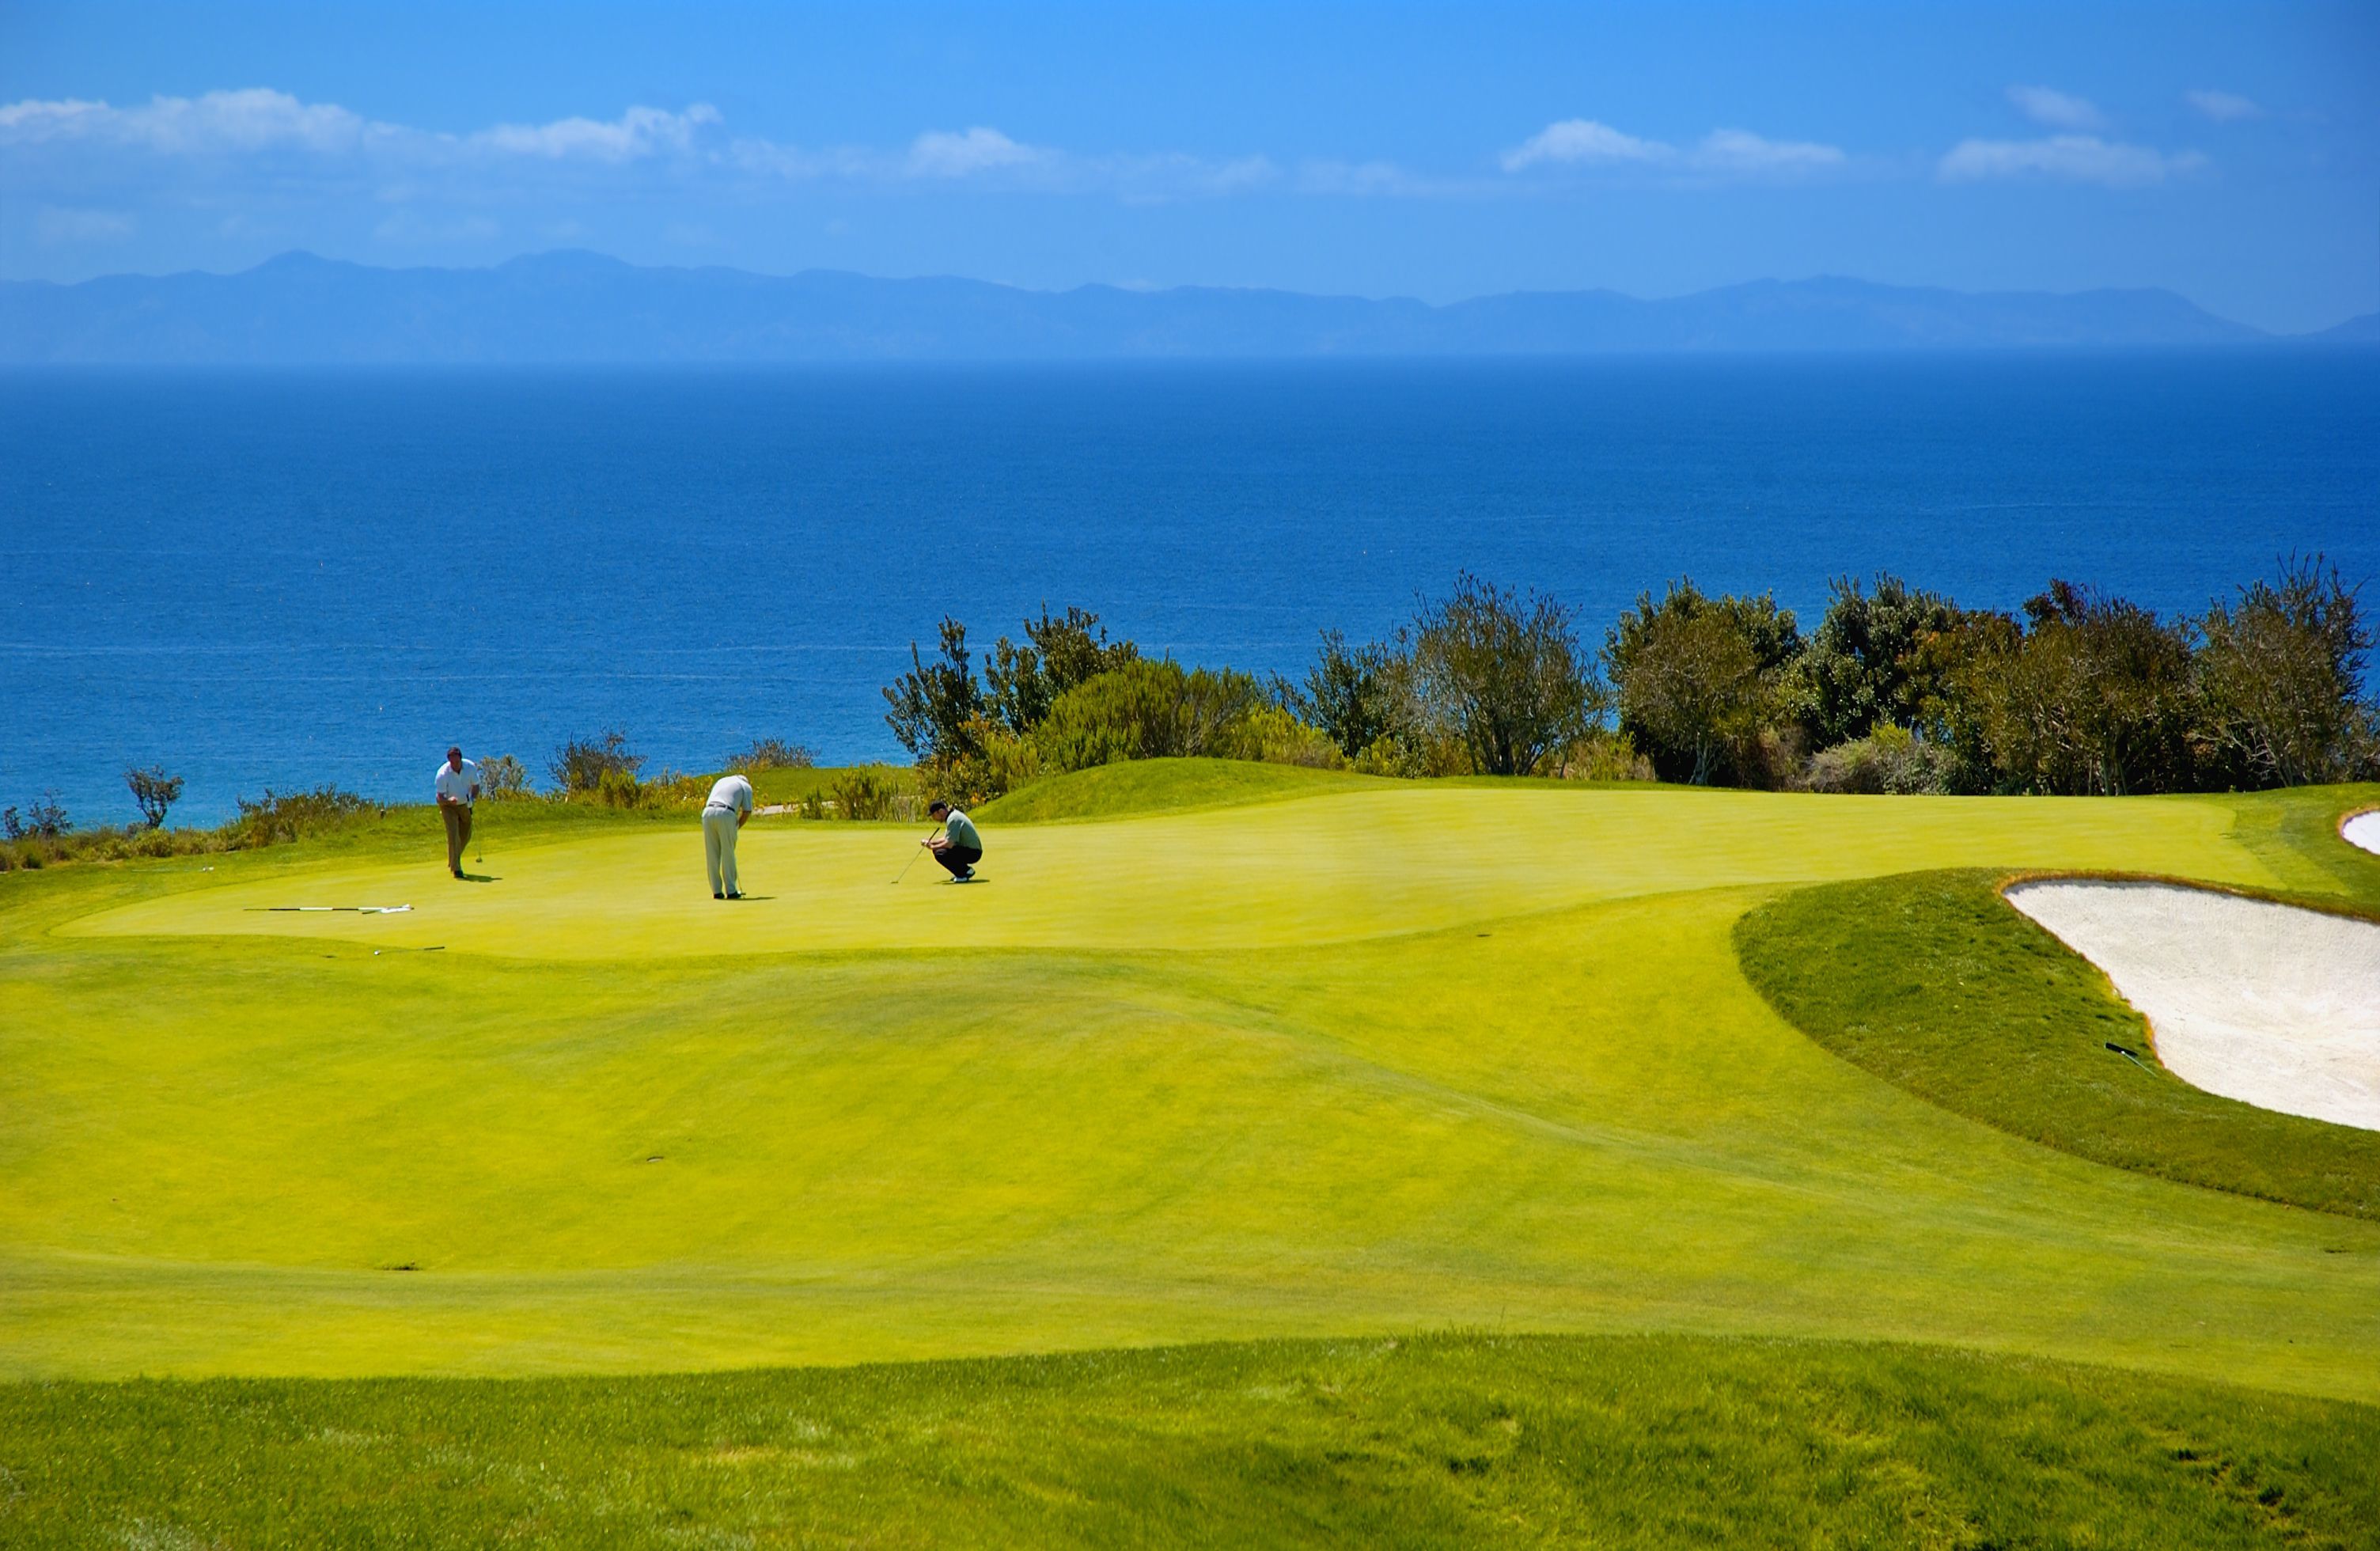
(2231, 153)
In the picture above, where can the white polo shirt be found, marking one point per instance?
(731, 792)
(453, 784)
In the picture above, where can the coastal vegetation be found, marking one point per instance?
(1895, 691)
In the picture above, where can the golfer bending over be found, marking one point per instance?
(457, 785)
(730, 806)
(958, 847)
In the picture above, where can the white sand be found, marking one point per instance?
(2262, 1002)
(2363, 829)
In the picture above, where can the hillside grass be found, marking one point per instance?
(1934, 983)
(1441, 1441)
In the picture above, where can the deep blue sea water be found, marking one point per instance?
(286, 578)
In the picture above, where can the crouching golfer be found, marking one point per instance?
(457, 785)
(958, 847)
(730, 806)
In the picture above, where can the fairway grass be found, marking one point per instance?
(1650, 1443)
(1377, 1059)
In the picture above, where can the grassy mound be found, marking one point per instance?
(1934, 983)
(1145, 786)
(1440, 1441)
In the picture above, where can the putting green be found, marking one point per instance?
(1321, 871)
(1411, 1057)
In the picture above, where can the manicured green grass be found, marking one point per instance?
(1360, 1059)
(1439, 1441)
(1145, 786)
(1933, 982)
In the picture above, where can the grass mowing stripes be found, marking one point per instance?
(1449, 1440)
(1932, 981)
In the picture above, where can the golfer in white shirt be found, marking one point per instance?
(457, 786)
(730, 806)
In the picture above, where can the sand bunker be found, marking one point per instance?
(2274, 1006)
(2363, 829)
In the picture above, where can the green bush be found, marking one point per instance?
(289, 816)
(1889, 759)
(580, 766)
(504, 779)
(1151, 709)
(860, 794)
(773, 753)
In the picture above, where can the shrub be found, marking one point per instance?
(580, 766)
(504, 779)
(1889, 759)
(1501, 675)
(773, 753)
(43, 818)
(1150, 709)
(154, 792)
(292, 816)
(1279, 738)
(1604, 754)
(1357, 696)
(620, 789)
(860, 794)
(997, 761)
(2277, 676)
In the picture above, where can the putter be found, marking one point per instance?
(913, 860)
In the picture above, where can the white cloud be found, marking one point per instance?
(940, 153)
(2223, 107)
(64, 225)
(1739, 152)
(2076, 158)
(214, 124)
(641, 131)
(1736, 150)
(1581, 140)
(2054, 109)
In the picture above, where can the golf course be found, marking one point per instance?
(1255, 1155)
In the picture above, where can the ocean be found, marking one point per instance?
(279, 579)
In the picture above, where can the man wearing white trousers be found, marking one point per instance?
(730, 806)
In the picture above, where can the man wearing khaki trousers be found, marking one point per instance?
(457, 785)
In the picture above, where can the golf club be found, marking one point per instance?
(913, 860)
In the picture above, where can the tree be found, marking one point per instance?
(1059, 652)
(934, 702)
(2277, 676)
(155, 791)
(2094, 698)
(1503, 674)
(1697, 679)
(1357, 696)
(1862, 664)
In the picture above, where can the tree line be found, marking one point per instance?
(1896, 690)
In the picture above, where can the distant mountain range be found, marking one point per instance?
(571, 307)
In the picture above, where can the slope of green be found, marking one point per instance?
(1145, 786)
(1933, 982)
(1439, 1441)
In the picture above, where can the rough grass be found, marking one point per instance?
(1934, 983)
(1147, 786)
(1441, 1441)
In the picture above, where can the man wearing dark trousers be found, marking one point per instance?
(457, 785)
(958, 847)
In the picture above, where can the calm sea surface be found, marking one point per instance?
(289, 579)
